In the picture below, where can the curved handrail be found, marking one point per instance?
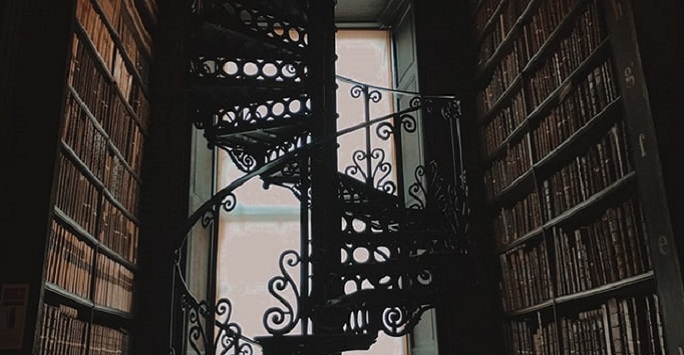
(397, 91)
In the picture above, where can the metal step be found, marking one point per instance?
(272, 28)
(323, 344)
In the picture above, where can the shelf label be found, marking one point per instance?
(13, 302)
(663, 245)
(642, 144)
(630, 79)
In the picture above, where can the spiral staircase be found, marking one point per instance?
(379, 249)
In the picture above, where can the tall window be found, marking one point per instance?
(365, 56)
(266, 222)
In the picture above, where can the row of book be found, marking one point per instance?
(118, 232)
(585, 102)
(636, 326)
(503, 22)
(85, 137)
(525, 277)
(110, 9)
(531, 337)
(516, 161)
(610, 248)
(485, 10)
(503, 76)
(134, 39)
(571, 52)
(100, 159)
(76, 195)
(123, 186)
(506, 120)
(69, 261)
(64, 333)
(600, 166)
(141, 106)
(617, 326)
(99, 98)
(106, 43)
(98, 177)
(82, 199)
(97, 31)
(105, 341)
(541, 25)
(113, 284)
(514, 222)
(584, 38)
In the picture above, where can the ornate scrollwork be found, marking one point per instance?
(385, 130)
(430, 191)
(375, 96)
(229, 336)
(197, 314)
(200, 316)
(357, 90)
(399, 320)
(208, 218)
(451, 110)
(242, 159)
(380, 173)
(418, 189)
(416, 102)
(424, 277)
(281, 320)
(287, 145)
(229, 202)
(294, 176)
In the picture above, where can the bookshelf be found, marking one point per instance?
(574, 198)
(90, 265)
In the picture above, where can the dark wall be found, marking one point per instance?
(30, 143)
(445, 50)
(164, 200)
(661, 45)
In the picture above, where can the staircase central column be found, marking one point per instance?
(325, 209)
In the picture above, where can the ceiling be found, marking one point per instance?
(362, 12)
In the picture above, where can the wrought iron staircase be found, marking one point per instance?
(248, 83)
(378, 250)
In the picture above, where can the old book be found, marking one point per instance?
(629, 240)
(559, 259)
(617, 242)
(580, 261)
(606, 329)
(616, 327)
(627, 316)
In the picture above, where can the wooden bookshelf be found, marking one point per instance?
(92, 245)
(572, 219)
